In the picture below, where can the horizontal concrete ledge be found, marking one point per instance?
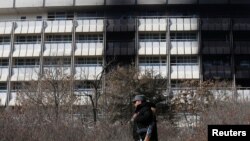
(8, 5)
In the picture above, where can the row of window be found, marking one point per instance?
(28, 39)
(183, 36)
(26, 62)
(52, 61)
(153, 60)
(99, 38)
(174, 60)
(4, 62)
(4, 39)
(79, 85)
(66, 15)
(53, 38)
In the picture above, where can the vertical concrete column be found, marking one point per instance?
(12, 40)
(73, 46)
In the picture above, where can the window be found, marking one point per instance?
(28, 39)
(16, 86)
(183, 36)
(23, 17)
(184, 60)
(4, 62)
(176, 84)
(3, 86)
(60, 15)
(39, 17)
(86, 85)
(58, 38)
(66, 61)
(83, 15)
(26, 62)
(57, 61)
(4, 40)
(219, 36)
(149, 37)
(153, 61)
(90, 38)
(89, 61)
(152, 13)
(217, 61)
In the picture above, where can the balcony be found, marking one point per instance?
(215, 47)
(27, 50)
(87, 72)
(13, 99)
(215, 24)
(242, 73)
(57, 49)
(185, 72)
(183, 24)
(82, 98)
(4, 73)
(25, 73)
(117, 25)
(6, 28)
(120, 48)
(184, 47)
(60, 72)
(153, 47)
(89, 49)
(152, 24)
(211, 72)
(3, 97)
(90, 25)
(242, 47)
(5, 50)
(59, 26)
(241, 24)
(24, 27)
(243, 94)
(155, 69)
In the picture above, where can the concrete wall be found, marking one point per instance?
(120, 2)
(49, 3)
(29, 3)
(151, 1)
(89, 2)
(182, 1)
(6, 3)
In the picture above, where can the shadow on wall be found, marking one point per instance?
(119, 2)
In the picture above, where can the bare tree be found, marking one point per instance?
(52, 91)
(95, 90)
(194, 97)
(123, 83)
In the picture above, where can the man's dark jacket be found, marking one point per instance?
(143, 120)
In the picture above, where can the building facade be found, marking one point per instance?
(179, 39)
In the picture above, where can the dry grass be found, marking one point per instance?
(22, 126)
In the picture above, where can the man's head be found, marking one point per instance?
(138, 99)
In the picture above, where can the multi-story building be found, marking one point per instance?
(180, 39)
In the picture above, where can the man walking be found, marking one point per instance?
(144, 127)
